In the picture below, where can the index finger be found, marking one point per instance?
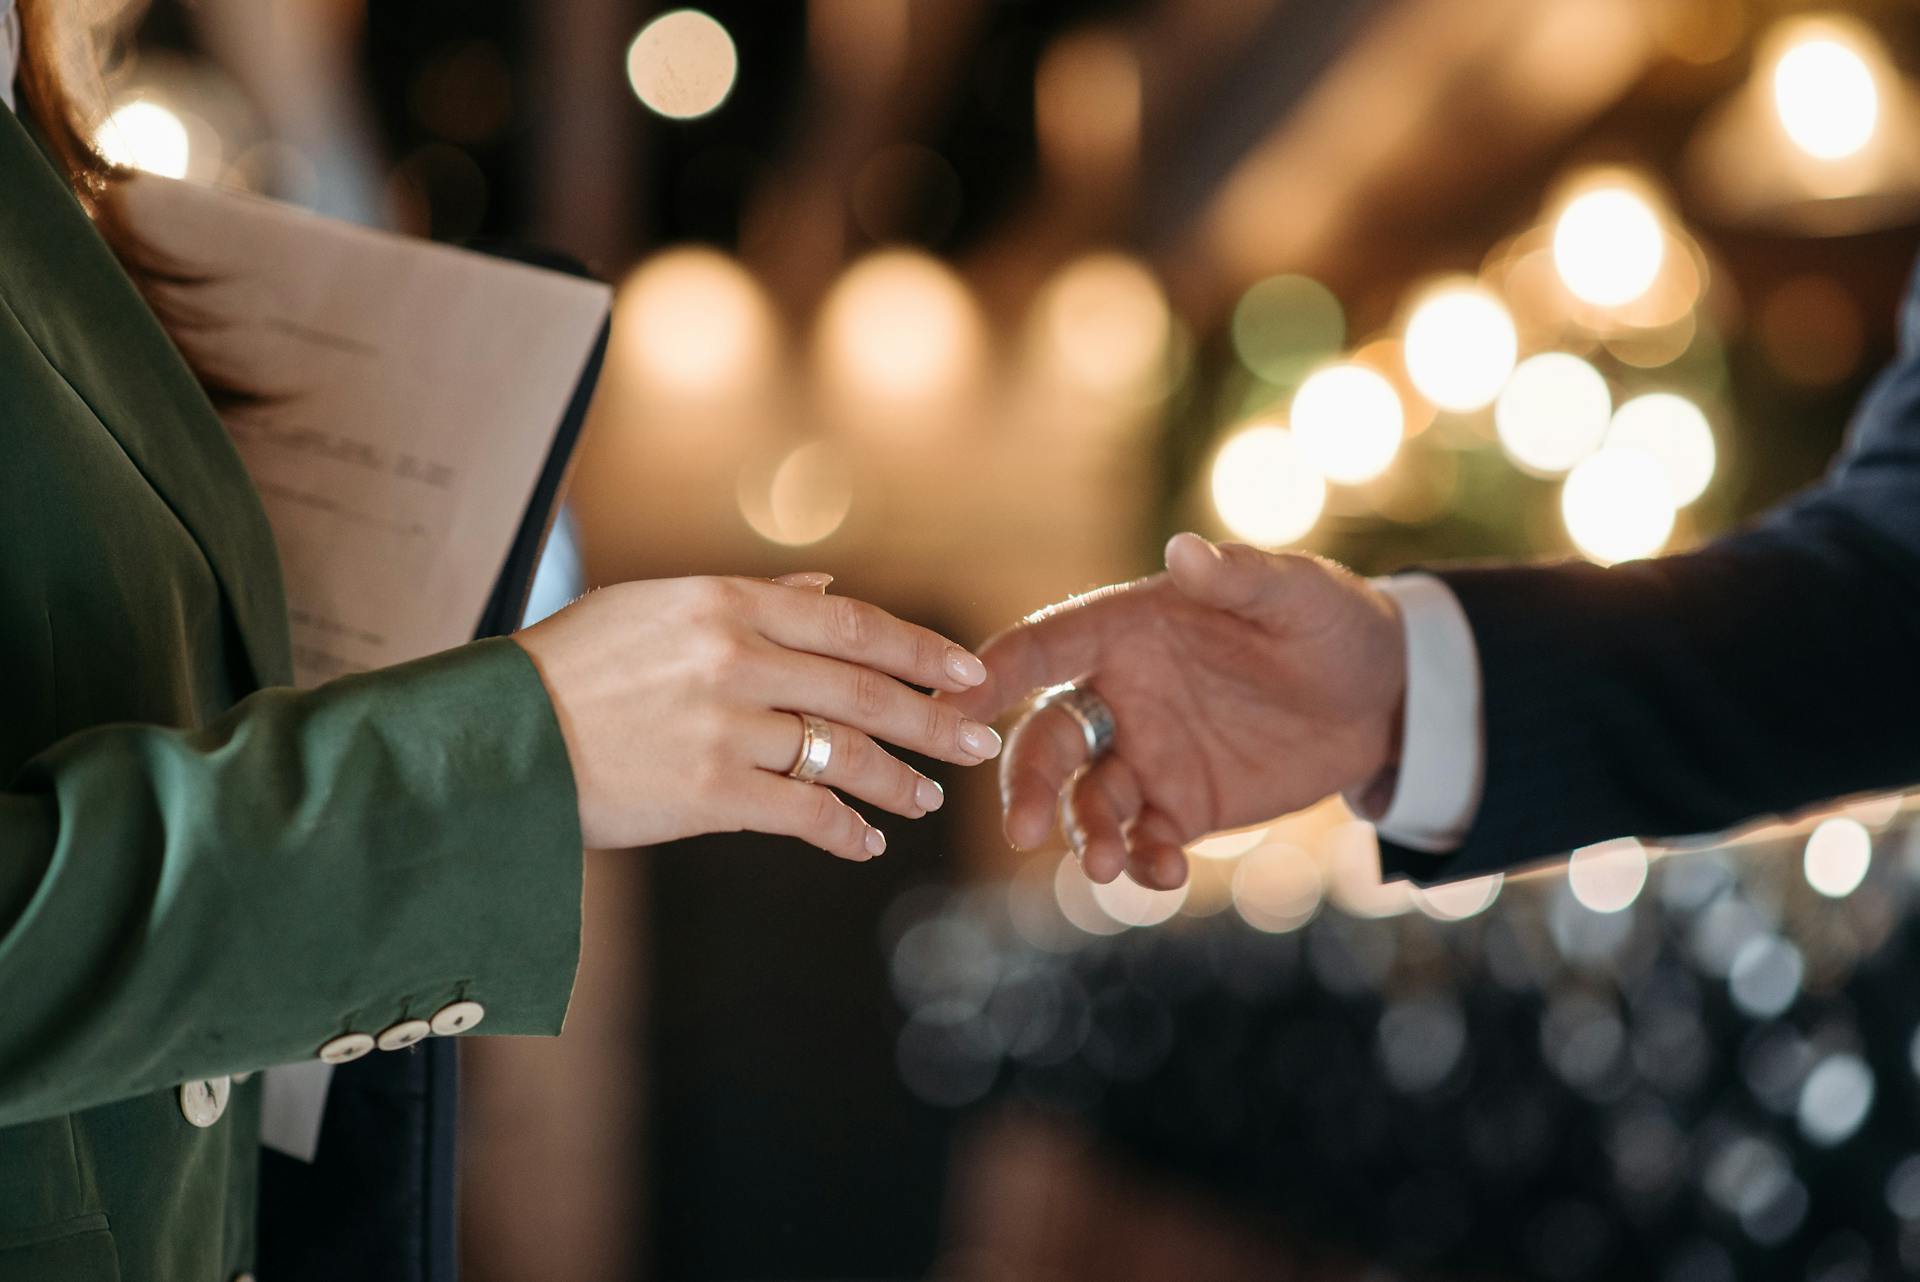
(1058, 644)
(839, 627)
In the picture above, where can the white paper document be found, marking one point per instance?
(408, 395)
(403, 403)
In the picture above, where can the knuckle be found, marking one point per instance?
(942, 724)
(870, 692)
(929, 658)
(849, 622)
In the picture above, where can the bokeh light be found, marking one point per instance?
(1284, 326)
(1227, 845)
(1458, 900)
(1608, 245)
(1839, 852)
(144, 135)
(1263, 487)
(1673, 430)
(1074, 895)
(1552, 413)
(1348, 421)
(804, 500)
(1826, 96)
(1277, 888)
(1460, 347)
(902, 328)
(1131, 904)
(1609, 876)
(1107, 321)
(695, 323)
(1618, 505)
(682, 64)
(1086, 103)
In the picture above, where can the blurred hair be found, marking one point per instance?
(65, 47)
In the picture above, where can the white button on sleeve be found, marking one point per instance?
(457, 1017)
(203, 1102)
(1442, 749)
(345, 1048)
(404, 1034)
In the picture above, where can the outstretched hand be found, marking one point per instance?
(1244, 685)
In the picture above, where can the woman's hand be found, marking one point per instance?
(677, 699)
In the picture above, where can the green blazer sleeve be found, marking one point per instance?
(182, 904)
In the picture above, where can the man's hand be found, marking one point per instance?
(1243, 685)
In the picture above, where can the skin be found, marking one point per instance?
(676, 698)
(1244, 685)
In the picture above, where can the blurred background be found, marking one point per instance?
(972, 304)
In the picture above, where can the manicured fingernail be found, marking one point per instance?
(806, 579)
(964, 668)
(876, 842)
(979, 739)
(927, 795)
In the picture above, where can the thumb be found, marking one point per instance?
(1233, 577)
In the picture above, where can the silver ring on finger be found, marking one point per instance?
(816, 749)
(1095, 717)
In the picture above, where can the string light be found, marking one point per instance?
(1108, 323)
(1609, 876)
(695, 323)
(1674, 431)
(1608, 245)
(1826, 97)
(682, 64)
(1460, 347)
(1552, 413)
(1264, 488)
(1458, 900)
(901, 328)
(144, 135)
(1618, 505)
(804, 500)
(1838, 853)
(1348, 422)
(1131, 904)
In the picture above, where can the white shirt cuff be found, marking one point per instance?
(1442, 748)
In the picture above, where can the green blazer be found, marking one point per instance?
(202, 872)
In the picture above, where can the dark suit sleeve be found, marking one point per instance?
(1773, 668)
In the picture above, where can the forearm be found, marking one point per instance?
(181, 905)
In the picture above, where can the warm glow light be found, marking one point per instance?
(1618, 505)
(1608, 244)
(1264, 489)
(1353, 874)
(1826, 97)
(1839, 852)
(1073, 893)
(682, 64)
(1460, 347)
(144, 135)
(1675, 432)
(1086, 103)
(1348, 421)
(1227, 845)
(1131, 904)
(1276, 888)
(804, 500)
(1608, 877)
(1108, 322)
(1458, 900)
(901, 327)
(695, 323)
(1553, 413)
